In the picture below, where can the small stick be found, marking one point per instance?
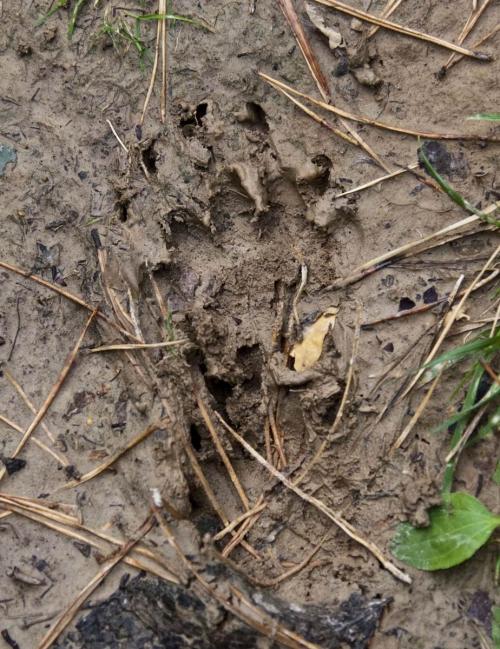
(390, 8)
(426, 307)
(377, 180)
(164, 59)
(222, 452)
(381, 22)
(476, 13)
(242, 532)
(439, 238)
(53, 392)
(153, 74)
(428, 135)
(450, 319)
(249, 613)
(212, 498)
(54, 520)
(120, 142)
(456, 450)
(478, 43)
(116, 456)
(65, 619)
(69, 296)
(340, 412)
(239, 519)
(132, 346)
(489, 370)
(344, 525)
(307, 52)
(28, 402)
(317, 118)
(354, 137)
(36, 441)
(300, 566)
(267, 439)
(276, 436)
(418, 413)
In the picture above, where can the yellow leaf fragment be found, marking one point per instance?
(307, 352)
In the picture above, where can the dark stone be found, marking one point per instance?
(430, 295)
(405, 303)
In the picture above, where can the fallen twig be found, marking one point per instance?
(65, 619)
(407, 31)
(428, 135)
(318, 504)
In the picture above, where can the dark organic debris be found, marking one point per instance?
(430, 295)
(13, 464)
(9, 639)
(170, 615)
(405, 303)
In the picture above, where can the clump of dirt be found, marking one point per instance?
(200, 232)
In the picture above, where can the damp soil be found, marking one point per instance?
(222, 205)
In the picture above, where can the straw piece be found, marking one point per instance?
(429, 135)
(256, 509)
(318, 504)
(307, 52)
(478, 43)
(249, 613)
(69, 296)
(222, 452)
(36, 441)
(132, 346)
(389, 9)
(116, 456)
(476, 13)
(371, 183)
(67, 616)
(53, 392)
(407, 31)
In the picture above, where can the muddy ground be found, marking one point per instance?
(222, 205)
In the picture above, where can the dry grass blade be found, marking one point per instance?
(456, 450)
(428, 135)
(51, 510)
(153, 74)
(418, 413)
(133, 346)
(340, 412)
(243, 531)
(381, 22)
(116, 456)
(353, 138)
(371, 183)
(478, 43)
(312, 62)
(300, 566)
(318, 504)
(389, 9)
(222, 453)
(60, 522)
(62, 460)
(17, 387)
(255, 617)
(53, 392)
(69, 296)
(68, 615)
(475, 15)
(422, 308)
(449, 233)
(317, 118)
(164, 24)
(212, 497)
(450, 318)
(256, 509)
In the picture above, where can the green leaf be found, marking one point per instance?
(457, 529)
(489, 117)
(495, 631)
(496, 475)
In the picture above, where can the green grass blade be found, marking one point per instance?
(74, 16)
(488, 117)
